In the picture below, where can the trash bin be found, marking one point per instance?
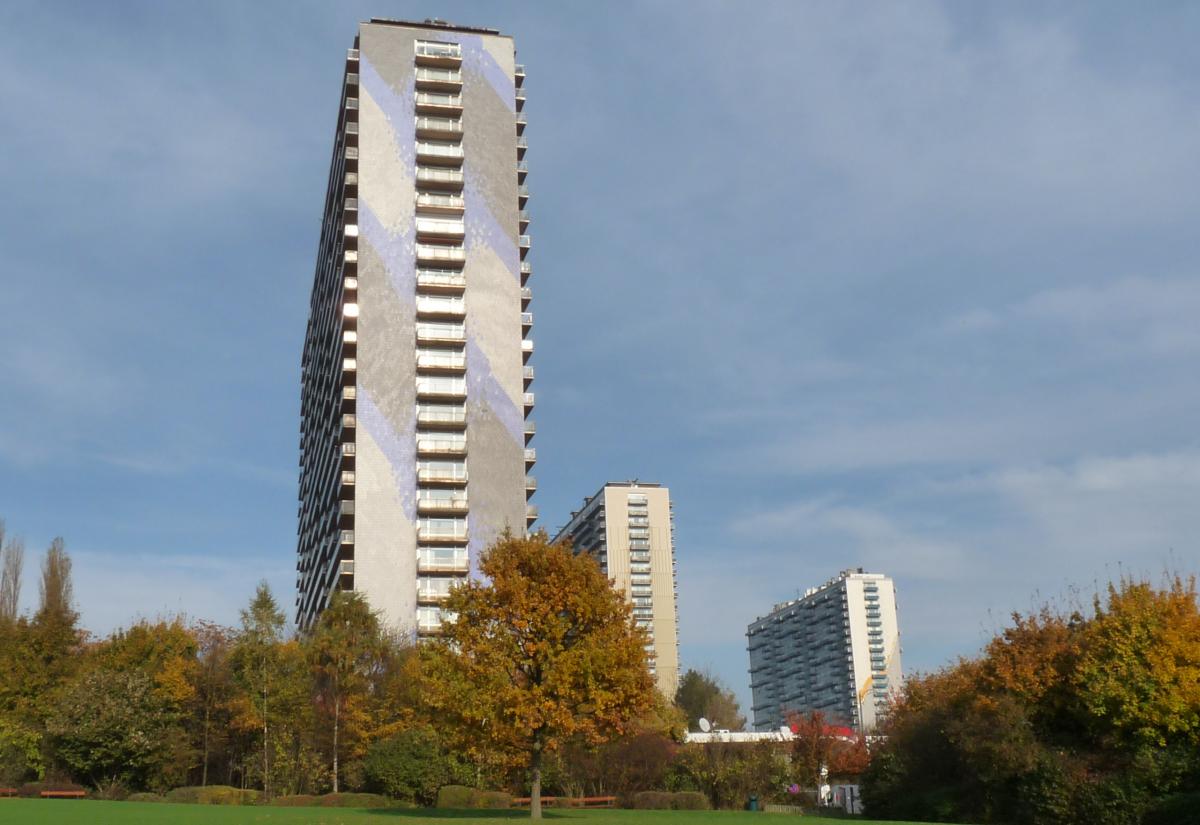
(752, 805)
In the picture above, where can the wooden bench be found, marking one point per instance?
(63, 794)
(569, 802)
(8, 791)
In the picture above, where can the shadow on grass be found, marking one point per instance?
(463, 813)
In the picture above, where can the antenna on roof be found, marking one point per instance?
(705, 725)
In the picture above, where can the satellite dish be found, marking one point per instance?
(705, 725)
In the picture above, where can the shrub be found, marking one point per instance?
(354, 800)
(456, 796)
(494, 799)
(212, 795)
(1181, 809)
(296, 800)
(411, 765)
(653, 800)
(145, 797)
(689, 801)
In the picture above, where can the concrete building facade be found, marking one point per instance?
(415, 375)
(629, 528)
(835, 650)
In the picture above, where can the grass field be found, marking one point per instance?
(90, 812)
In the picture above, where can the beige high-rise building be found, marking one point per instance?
(416, 396)
(628, 527)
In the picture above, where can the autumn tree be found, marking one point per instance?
(12, 560)
(344, 650)
(820, 749)
(256, 661)
(212, 680)
(542, 651)
(701, 695)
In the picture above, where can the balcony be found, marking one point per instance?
(527, 399)
(527, 374)
(440, 333)
(447, 417)
(440, 386)
(448, 361)
(428, 254)
(440, 203)
(427, 596)
(449, 474)
(455, 503)
(437, 563)
(530, 429)
(439, 103)
(526, 347)
(441, 280)
(434, 178)
(522, 195)
(443, 532)
(531, 512)
(430, 53)
(526, 322)
(441, 447)
(439, 154)
(347, 478)
(439, 127)
(526, 296)
(439, 79)
(522, 221)
(447, 306)
(434, 229)
(530, 457)
(530, 484)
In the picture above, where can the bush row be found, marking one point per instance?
(226, 795)
(34, 789)
(666, 800)
(460, 796)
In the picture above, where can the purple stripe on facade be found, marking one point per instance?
(478, 60)
(484, 231)
(398, 107)
(400, 448)
(484, 390)
(397, 251)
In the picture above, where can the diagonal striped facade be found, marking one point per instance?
(415, 389)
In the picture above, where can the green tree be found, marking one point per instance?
(702, 696)
(542, 652)
(212, 680)
(345, 649)
(256, 661)
(115, 728)
(411, 765)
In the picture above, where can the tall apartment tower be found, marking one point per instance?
(415, 396)
(836, 650)
(628, 527)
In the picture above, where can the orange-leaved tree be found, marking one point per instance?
(542, 651)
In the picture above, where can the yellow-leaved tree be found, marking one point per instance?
(542, 651)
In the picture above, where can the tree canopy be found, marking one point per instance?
(542, 651)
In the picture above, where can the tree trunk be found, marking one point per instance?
(336, 708)
(204, 773)
(535, 774)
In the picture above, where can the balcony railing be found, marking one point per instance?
(531, 512)
(438, 563)
(438, 103)
(439, 151)
(527, 399)
(434, 416)
(441, 332)
(530, 483)
(437, 446)
(526, 319)
(442, 474)
(451, 387)
(438, 532)
(448, 278)
(440, 202)
(439, 75)
(446, 178)
(440, 228)
(530, 455)
(441, 254)
(456, 503)
(438, 126)
(526, 294)
(441, 361)
(426, 48)
(527, 373)
(526, 345)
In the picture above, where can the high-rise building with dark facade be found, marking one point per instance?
(415, 387)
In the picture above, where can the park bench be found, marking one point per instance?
(8, 791)
(63, 794)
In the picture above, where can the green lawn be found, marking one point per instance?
(90, 812)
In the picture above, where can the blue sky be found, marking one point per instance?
(909, 286)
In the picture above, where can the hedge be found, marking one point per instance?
(460, 796)
(213, 795)
(665, 800)
(145, 797)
